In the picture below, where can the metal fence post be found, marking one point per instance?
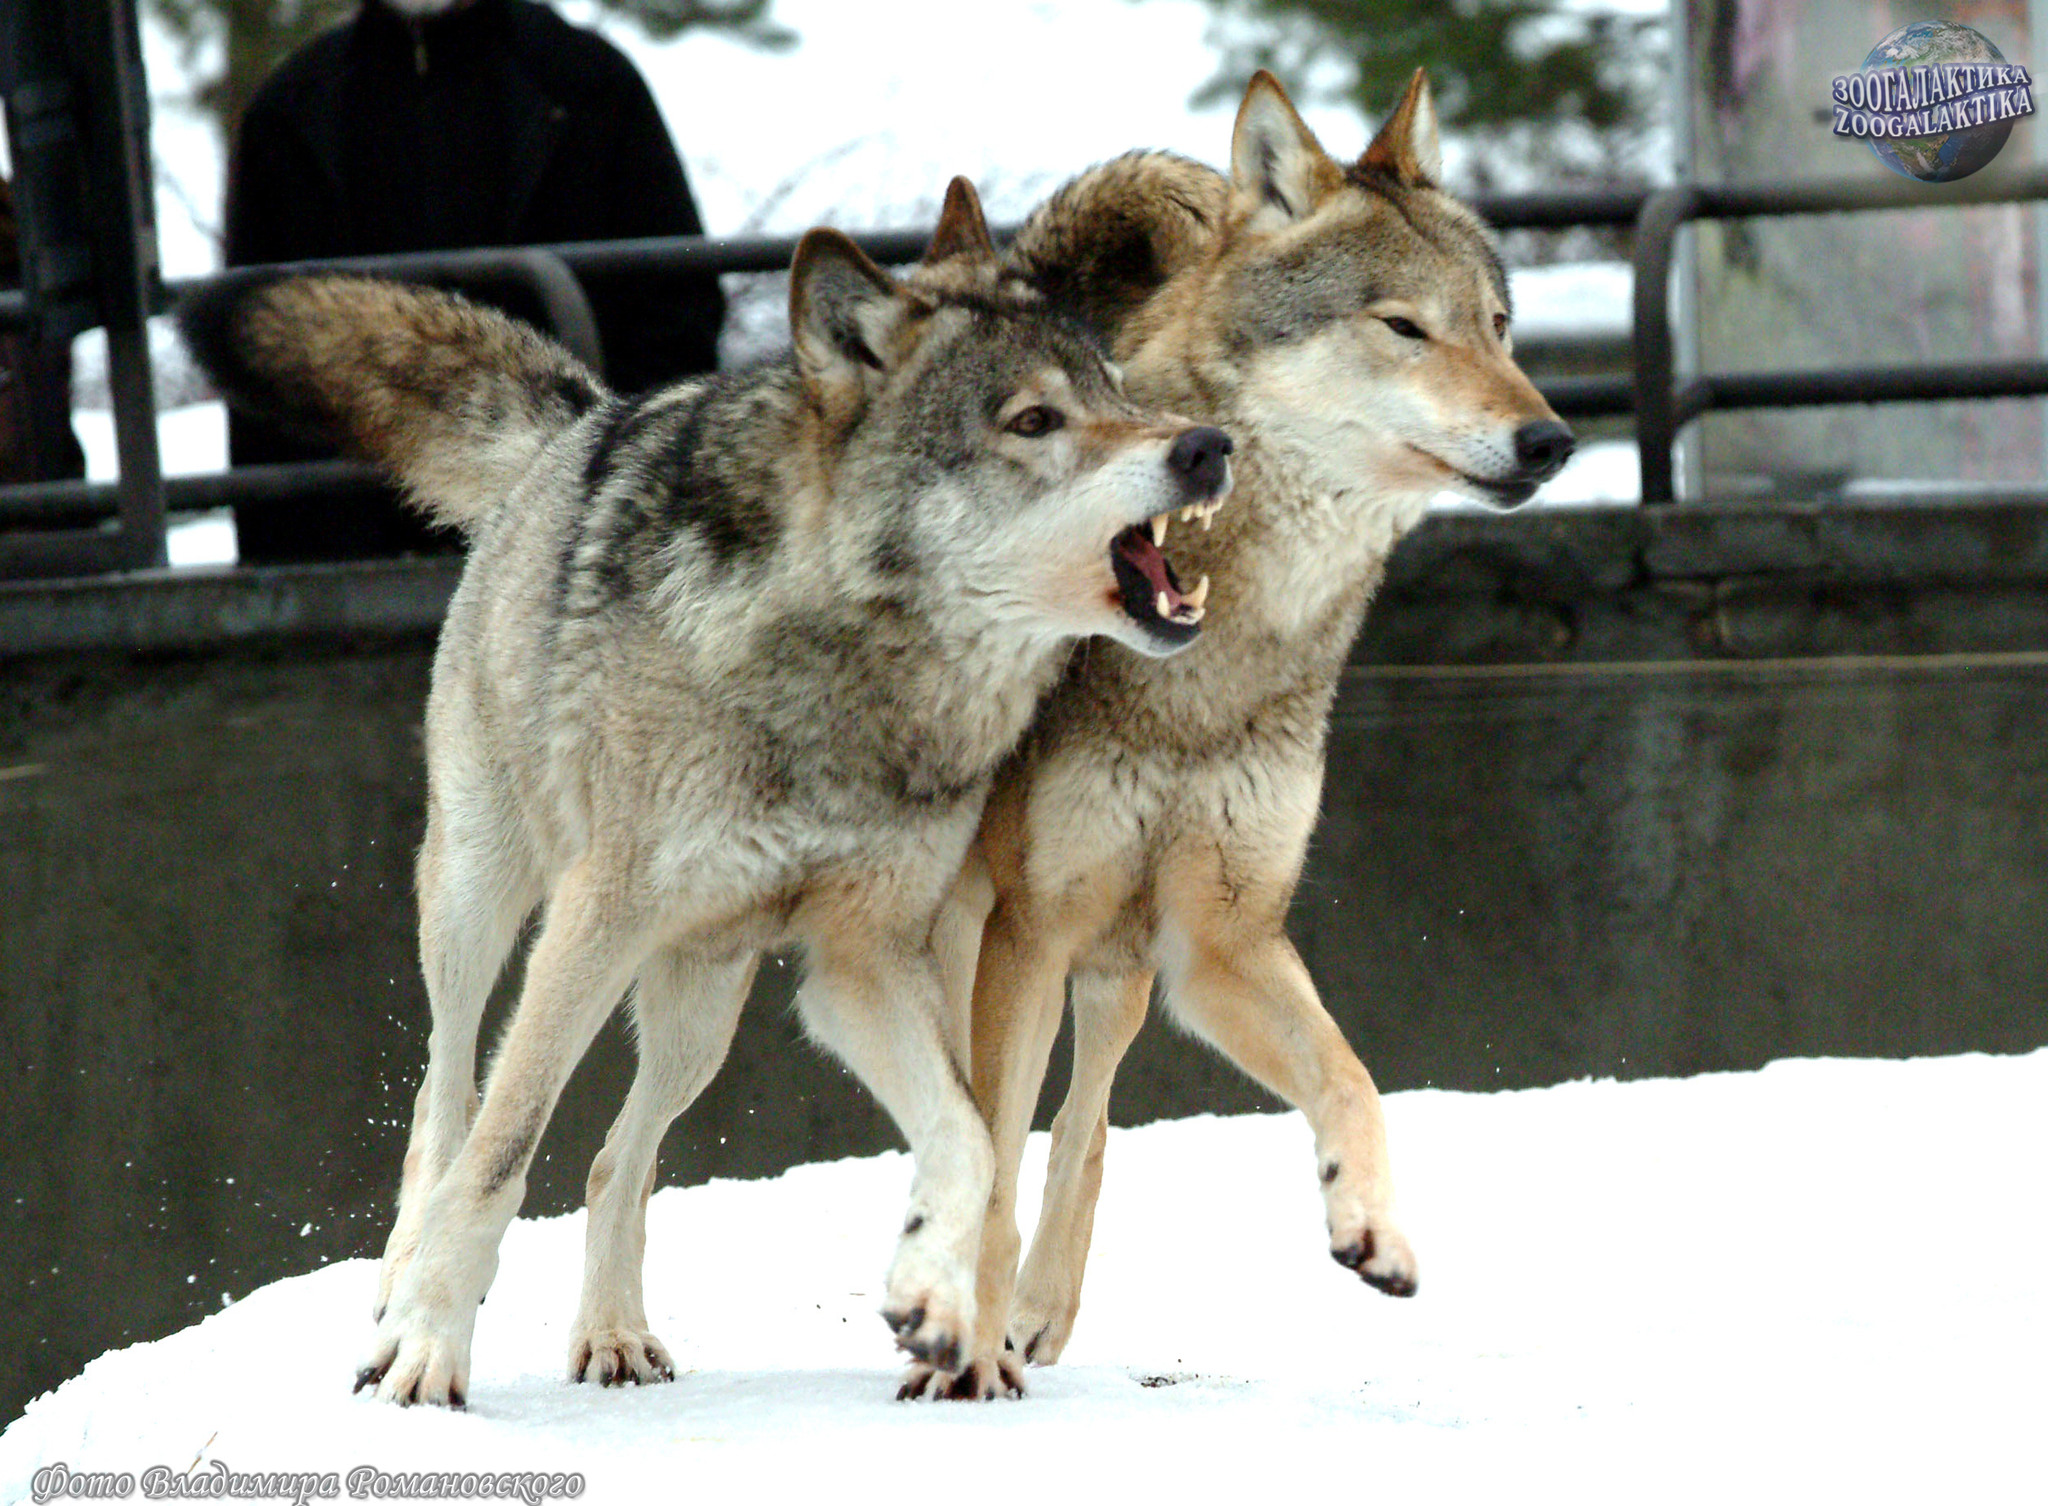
(109, 56)
(1656, 401)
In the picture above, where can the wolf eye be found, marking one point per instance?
(1500, 326)
(1035, 421)
(1407, 329)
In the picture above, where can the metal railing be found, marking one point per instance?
(67, 533)
(1662, 408)
(67, 516)
(68, 538)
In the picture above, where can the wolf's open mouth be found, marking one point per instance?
(1146, 587)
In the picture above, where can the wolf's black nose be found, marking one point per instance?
(1543, 447)
(1197, 457)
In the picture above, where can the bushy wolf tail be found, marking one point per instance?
(455, 400)
(1105, 242)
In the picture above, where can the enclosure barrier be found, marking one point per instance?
(1662, 409)
(63, 528)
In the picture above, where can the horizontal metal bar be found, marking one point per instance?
(1589, 396)
(61, 553)
(1589, 350)
(54, 502)
(684, 255)
(1560, 211)
(58, 504)
(674, 255)
(1735, 201)
(175, 609)
(1866, 384)
(551, 280)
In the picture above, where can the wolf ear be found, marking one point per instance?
(1279, 172)
(961, 231)
(1406, 146)
(843, 315)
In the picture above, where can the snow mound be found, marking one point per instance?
(1817, 1281)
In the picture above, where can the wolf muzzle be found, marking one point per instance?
(1200, 458)
(1542, 448)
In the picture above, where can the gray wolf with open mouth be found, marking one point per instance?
(730, 667)
(1349, 325)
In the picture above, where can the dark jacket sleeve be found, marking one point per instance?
(615, 175)
(283, 205)
(280, 199)
(278, 209)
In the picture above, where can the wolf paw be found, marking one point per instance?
(1380, 1254)
(1039, 1331)
(615, 1356)
(930, 1307)
(428, 1369)
(978, 1380)
(929, 1333)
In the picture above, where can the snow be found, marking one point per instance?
(1817, 1281)
(1573, 298)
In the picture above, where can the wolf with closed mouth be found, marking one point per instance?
(730, 667)
(1349, 325)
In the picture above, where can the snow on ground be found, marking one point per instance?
(1816, 1282)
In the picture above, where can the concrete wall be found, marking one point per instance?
(1565, 862)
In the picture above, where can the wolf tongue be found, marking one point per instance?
(1135, 545)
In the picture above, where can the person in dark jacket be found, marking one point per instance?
(425, 125)
(36, 441)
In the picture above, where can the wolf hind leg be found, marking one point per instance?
(1252, 998)
(956, 943)
(878, 1003)
(1108, 1010)
(686, 1007)
(477, 883)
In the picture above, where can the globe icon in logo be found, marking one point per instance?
(1952, 154)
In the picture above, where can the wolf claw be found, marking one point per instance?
(1395, 1275)
(979, 1380)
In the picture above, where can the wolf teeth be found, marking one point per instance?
(1199, 595)
(1159, 531)
(1190, 615)
(1164, 605)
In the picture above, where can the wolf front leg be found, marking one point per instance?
(1247, 993)
(686, 1007)
(1108, 1011)
(1019, 991)
(588, 949)
(878, 1004)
